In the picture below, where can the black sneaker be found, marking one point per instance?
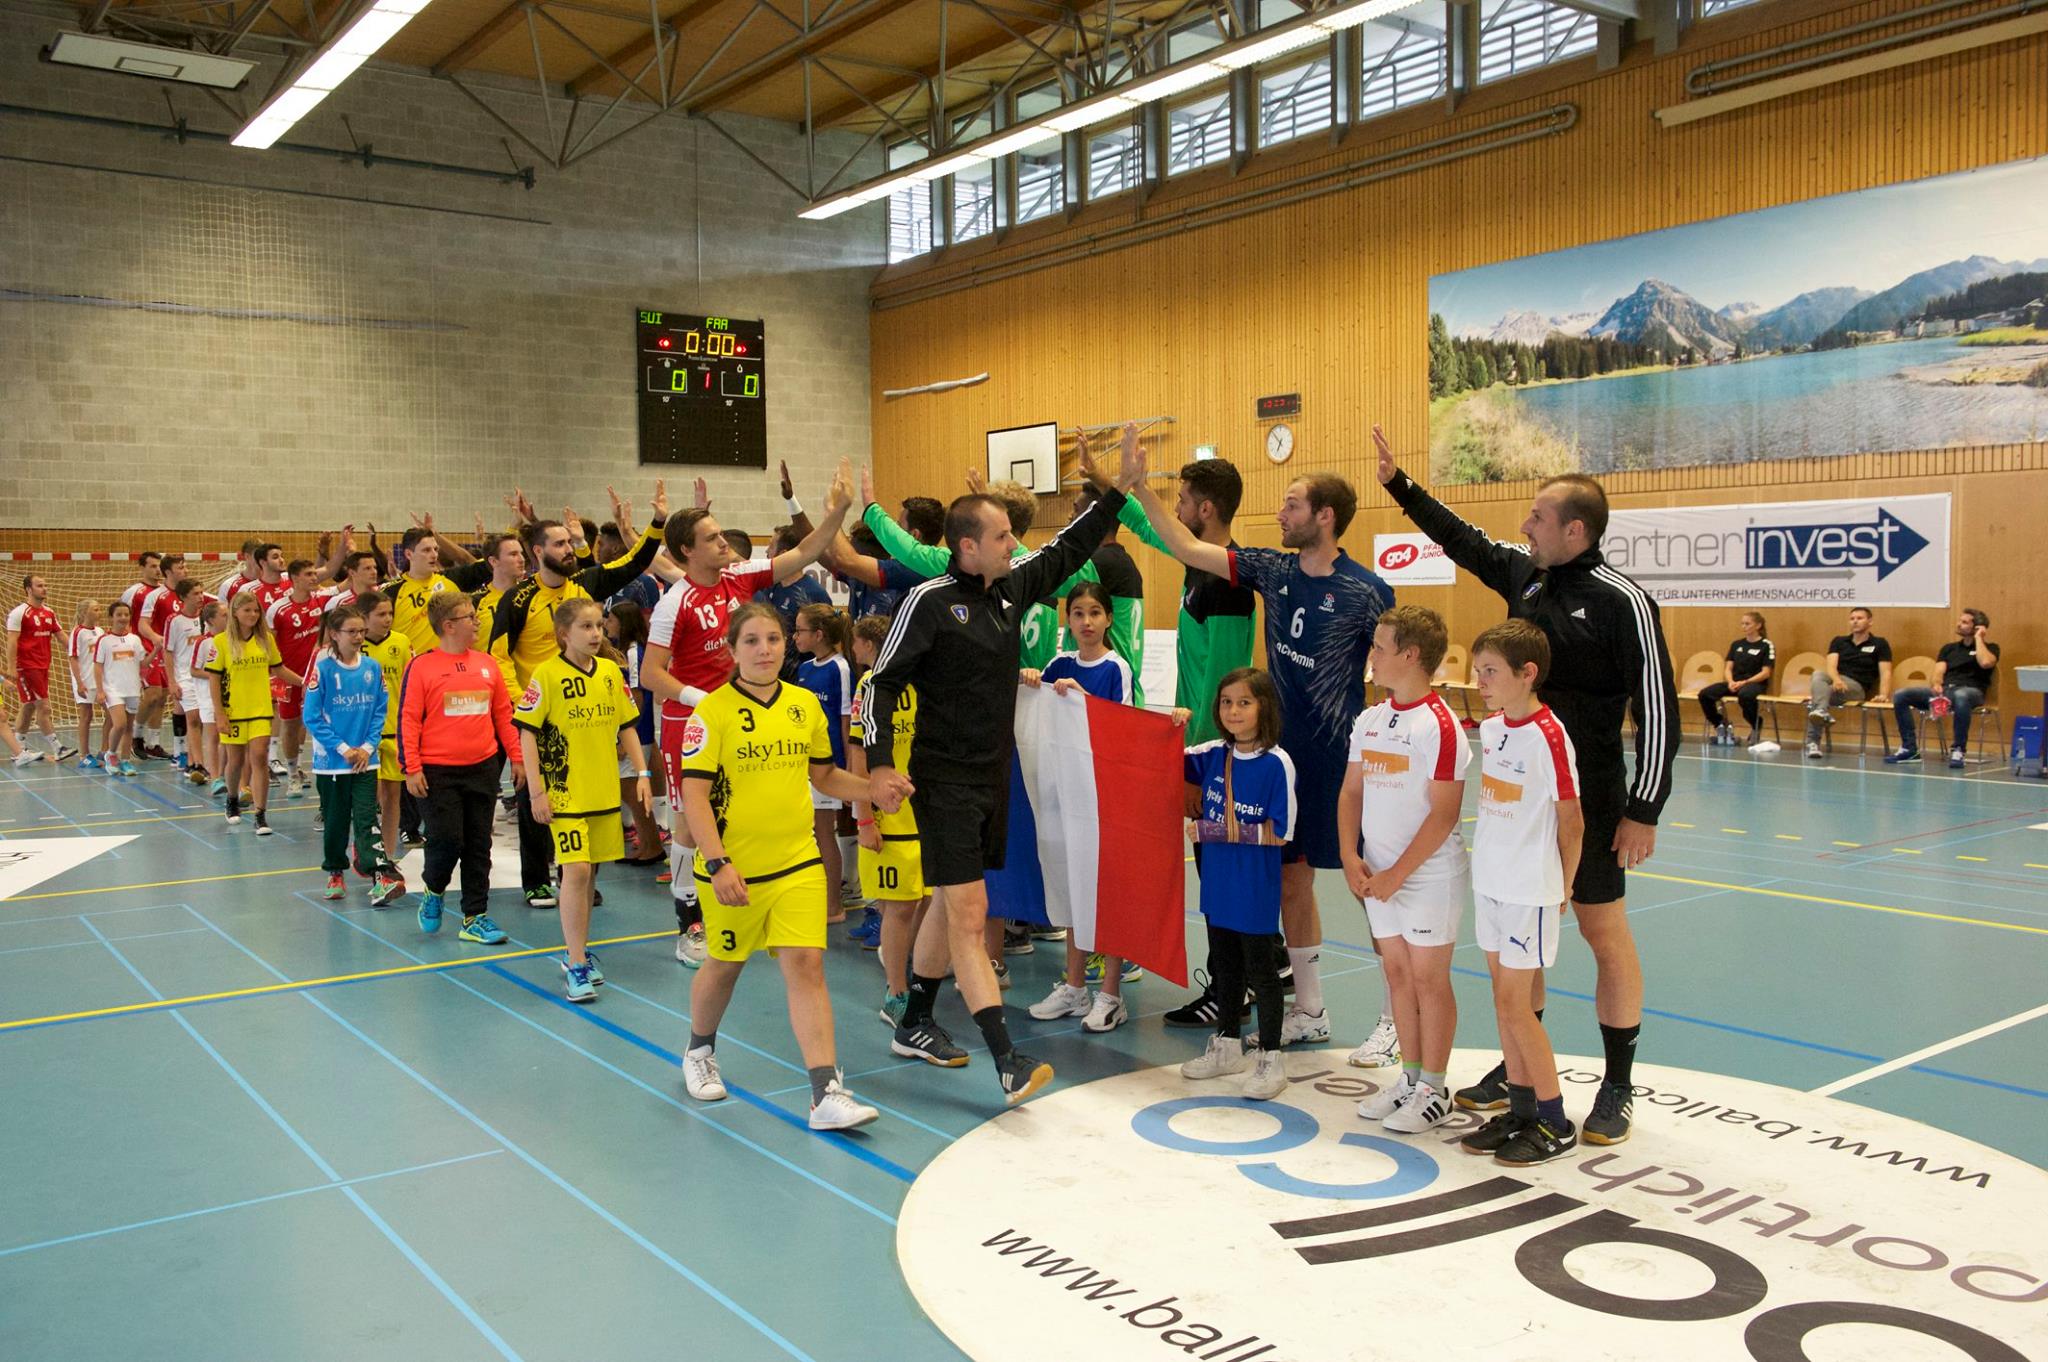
(1198, 1011)
(262, 824)
(929, 1042)
(1489, 1093)
(1537, 1142)
(1613, 1112)
(1022, 1076)
(413, 839)
(1490, 1138)
(1017, 941)
(542, 897)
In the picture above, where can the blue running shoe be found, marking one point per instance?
(577, 986)
(868, 935)
(89, 764)
(483, 931)
(596, 970)
(220, 787)
(184, 762)
(128, 769)
(430, 912)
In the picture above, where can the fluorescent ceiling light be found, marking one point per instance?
(334, 64)
(1212, 67)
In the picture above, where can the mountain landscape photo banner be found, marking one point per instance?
(1909, 317)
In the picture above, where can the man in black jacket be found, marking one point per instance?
(958, 639)
(1608, 658)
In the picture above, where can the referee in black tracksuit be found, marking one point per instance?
(1607, 658)
(957, 639)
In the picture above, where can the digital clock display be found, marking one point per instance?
(702, 385)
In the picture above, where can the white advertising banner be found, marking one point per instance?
(1412, 560)
(1881, 551)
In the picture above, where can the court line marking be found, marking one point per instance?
(239, 1205)
(1885, 773)
(166, 884)
(434, 1279)
(301, 985)
(519, 1152)
(1928, 1052)
(1846, 903)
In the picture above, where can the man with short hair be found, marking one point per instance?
(1608, 660)
(1321, 610)
(358, 581)
(294, 620)
(30, 627)
(137, 597)
(1859, 668)
(247, 574)
(1962, 673)
(272, 580)
(958, 640)
(925, 518)
(688, 657)
(507, 558)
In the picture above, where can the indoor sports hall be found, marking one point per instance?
(391, 315)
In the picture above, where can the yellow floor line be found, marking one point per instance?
(1788, 837)
(2031, 866)
(164, 884)
(1973, 858)
(1906, 851)
(1681, 825)
(1739, 832)
(292, 984)
(1853, 846)
(1846, 903)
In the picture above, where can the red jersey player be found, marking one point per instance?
(30, 627)
(687, 655)
(294, 620)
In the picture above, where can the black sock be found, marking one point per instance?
(821, 1079)
(1521, 1102)
(1621, 1053)
(688, 914)
(995, 1032)
(1551, 1109)
(703, 1042)
(1539, 1014)
(924, 996)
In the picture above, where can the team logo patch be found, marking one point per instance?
(960, 613)
(693, 736)
(1529, 591)
(532, 696)
(795, 713)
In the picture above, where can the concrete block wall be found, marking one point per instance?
(444, 337)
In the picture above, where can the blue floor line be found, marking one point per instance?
(838, 1140)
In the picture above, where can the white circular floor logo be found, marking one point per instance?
(1145, 1216)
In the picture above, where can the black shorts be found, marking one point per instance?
(964, 829)
(1602, 799)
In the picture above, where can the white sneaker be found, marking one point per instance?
(28, 756)
(277, 768)
(838, 1109)
(701, 1078)
(1388, 1100)
(1381, 1048)
(1065, 1000)
(1303, 1026)
(1225, 1055)
(1268, 1077)
(1424, 1109)
(690, 947)
(1107, 1014)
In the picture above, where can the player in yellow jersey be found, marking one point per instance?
(891, 862)
(422, 581)
(244, 659)
(575, 719)
(751, 753)
(391, 651)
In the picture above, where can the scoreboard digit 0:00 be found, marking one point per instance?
(702, 384)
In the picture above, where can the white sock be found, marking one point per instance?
(1308, 977)
(849, 861)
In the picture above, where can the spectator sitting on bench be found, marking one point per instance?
(1744, 675)
(1962, 673)
(1859, 668)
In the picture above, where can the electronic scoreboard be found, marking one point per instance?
(703, 384)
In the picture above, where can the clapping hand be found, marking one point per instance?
(1132, 471)
(1085, 464)
(1385, 452)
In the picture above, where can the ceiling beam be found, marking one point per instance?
(889, 89)
(597, 74)
(477, 43)
(1625, 11)
(858, 16)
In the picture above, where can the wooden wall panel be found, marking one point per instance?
(1328, 297)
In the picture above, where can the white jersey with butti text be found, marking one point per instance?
(1401, 750)
(1525, 767)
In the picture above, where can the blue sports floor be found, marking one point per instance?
(238, 1122)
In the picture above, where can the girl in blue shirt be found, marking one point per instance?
(822, 635)
(344, 714)
(1244, 785)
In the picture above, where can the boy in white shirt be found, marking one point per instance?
(1404, 788)
(1525, 852)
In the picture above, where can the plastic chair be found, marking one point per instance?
(1454, 674)
(1701, 670)
(1796, 682)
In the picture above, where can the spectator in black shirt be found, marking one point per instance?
(1859, 668)
(1962, 673)
(1751, 660)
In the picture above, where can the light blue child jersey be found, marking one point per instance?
(344, 707)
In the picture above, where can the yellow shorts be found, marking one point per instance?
(895, 873)
(387, 761)
(786, 911)
(242, 732)
(591, 841)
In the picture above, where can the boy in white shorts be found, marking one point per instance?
(1404, 787)
(1525, 852)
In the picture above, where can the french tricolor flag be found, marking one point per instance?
(1096, 789)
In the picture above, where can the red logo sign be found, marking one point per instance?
(1399, 556)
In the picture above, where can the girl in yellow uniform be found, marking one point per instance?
(750, 755)
(244, 658)
(891, 865)
(575, 720)
(392, 652)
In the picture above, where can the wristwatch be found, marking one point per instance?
(716, 864)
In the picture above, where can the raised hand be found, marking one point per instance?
(1385, 452)
(572, 522)
(1090, 471)
(840, 495)
(1132, 471)
(425, 522)
(788, 487)
(618, 507)
(977, 481)
(867, 485)
(661, 498)
(480, 531)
